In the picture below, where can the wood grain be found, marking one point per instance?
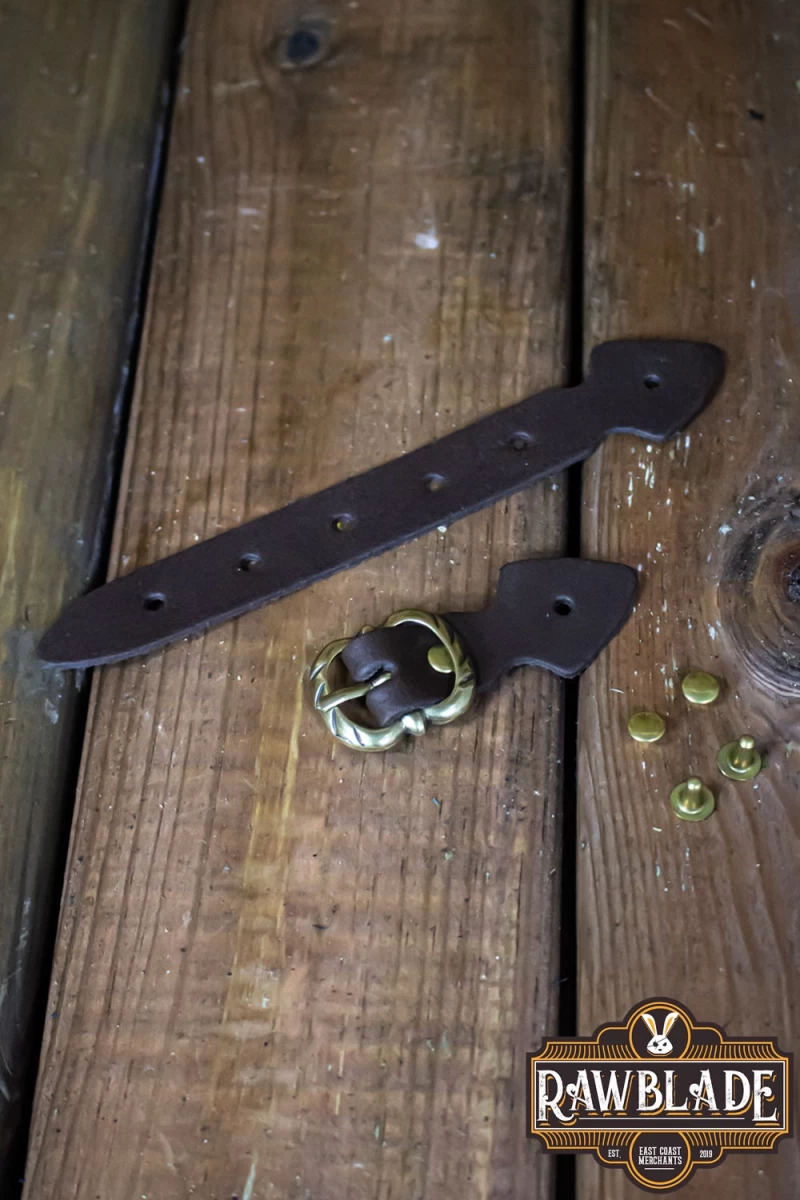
(691, 230)
(285, 969)
(80, 111)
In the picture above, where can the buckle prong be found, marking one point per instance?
(357, 692)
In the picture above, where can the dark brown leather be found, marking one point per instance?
(403, 651)
(556, 613)
(652, 388)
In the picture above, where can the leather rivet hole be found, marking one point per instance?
(301, 45)
(563, 606)
(520, 441)
(249, 562)
(304, 46)
(651, 382)
(155, 601)
(343, 522)
(434, 482)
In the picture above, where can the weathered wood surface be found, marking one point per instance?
(692, 230)
(79, 116)
(285, 969)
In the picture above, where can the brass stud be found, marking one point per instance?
(646, 726)
(439, 660)
(692, 800)
(700, 688)
(740, 759)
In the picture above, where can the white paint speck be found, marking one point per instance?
(427, 240)
(701, 241)
(247, 1194)
(201, 158)
(725, 529)
(712, 633)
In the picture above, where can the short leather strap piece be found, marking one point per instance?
(652, 388)
(555, 613)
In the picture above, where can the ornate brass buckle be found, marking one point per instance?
(450, 658)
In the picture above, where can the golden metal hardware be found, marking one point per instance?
(646, 726)
(700, 688)
(439, 660)
(692, 800)
(740, 759)
(451, 659)
(356, 692)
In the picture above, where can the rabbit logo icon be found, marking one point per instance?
(659, 1043)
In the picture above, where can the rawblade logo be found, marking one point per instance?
(659, 1095)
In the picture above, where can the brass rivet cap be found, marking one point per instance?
(692, 800)
(700, 688)
(740, 759)
(646, 726)
(439, 660)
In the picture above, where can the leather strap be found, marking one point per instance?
(652, 388)
(556, 613)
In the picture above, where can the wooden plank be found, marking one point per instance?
(283, 968)
(693, 150)
(80, 110)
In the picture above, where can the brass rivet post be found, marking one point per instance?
(692, 800)
(646, 726)
(439, 660)
(740, 759)
(700, 688)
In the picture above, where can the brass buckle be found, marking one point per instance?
(450, 659)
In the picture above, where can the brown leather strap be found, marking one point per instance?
(653, 388)
(556, 613)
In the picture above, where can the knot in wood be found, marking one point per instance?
(760, 597)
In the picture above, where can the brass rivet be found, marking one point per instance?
(439, 660)
(700, 688)
(646, 726)
(692, 800)
(740, 759)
